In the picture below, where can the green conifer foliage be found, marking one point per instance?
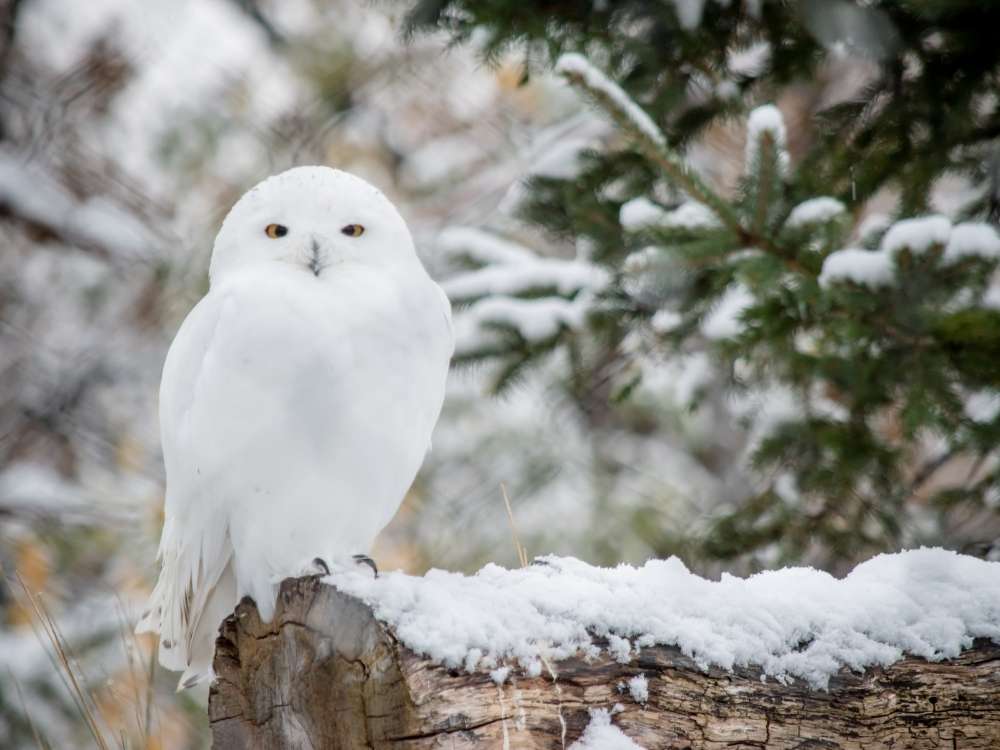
(883, 341)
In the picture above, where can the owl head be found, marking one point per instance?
(313, 219)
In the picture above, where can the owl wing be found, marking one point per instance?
(446, 311)
(195, 551)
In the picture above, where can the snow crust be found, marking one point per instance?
(815, 211)
(790, 623)
(869, 268)
(601, 734)
(574, 64)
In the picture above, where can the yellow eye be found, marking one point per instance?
(274, 231)
(353, 230)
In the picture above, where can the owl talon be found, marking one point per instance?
(320, 563)
(365, 560)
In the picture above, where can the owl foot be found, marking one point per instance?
(320, 564)
(365, 560)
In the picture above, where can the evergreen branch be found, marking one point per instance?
(768, 161)
(927, 470)
(631, 118)
(578, 71)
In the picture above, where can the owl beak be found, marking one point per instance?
(316, 260)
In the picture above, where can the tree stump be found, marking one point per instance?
(326, 674)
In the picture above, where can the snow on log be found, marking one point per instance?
(904, 652)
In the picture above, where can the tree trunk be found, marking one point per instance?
(326, 674)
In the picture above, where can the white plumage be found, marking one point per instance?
(297, 401)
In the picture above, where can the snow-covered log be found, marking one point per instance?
(332, 671)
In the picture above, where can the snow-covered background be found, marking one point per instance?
(128, 129)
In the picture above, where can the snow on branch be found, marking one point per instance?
(972, 240)
(725, 319)
(877, 268)
(815, 211)
(482, 247)
(791, 623)
(577, 68)
(916, 235)
(534, 320)
(95, 224)
(642, 213)
(863, 267)
(766, 122)
(509, 270)
(35, 492)
(564, 276)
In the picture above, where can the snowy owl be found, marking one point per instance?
(296, 404)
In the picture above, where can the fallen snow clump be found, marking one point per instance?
(601, 734)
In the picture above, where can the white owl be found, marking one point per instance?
(297, 401)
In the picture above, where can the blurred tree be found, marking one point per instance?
(127, 132)
(856, 350)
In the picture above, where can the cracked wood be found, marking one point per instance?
(326, 674)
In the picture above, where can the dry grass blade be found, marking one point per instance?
(147, 725)
(141, 680)
(27, 714)
(522, 553)
(65, 664)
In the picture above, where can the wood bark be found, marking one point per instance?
(326, 674)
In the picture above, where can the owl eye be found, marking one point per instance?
(353, 230)
(274, 231)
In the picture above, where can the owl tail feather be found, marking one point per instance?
(187, 605)
(218, 606)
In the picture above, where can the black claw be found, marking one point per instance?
(365, 560)
(319, 562)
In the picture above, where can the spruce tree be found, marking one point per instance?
(872, 343)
